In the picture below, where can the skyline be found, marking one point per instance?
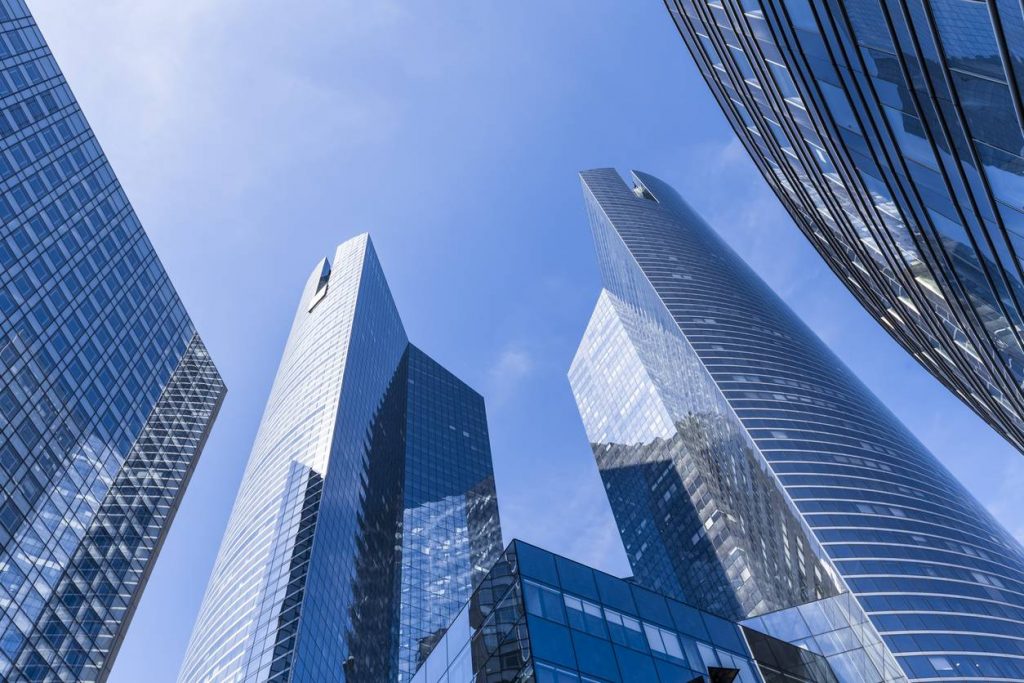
(512, 368)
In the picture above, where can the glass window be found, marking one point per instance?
(537, 564)
(594, 656)
(688, 620)
(726, 634)
(543, 601)
(671, 643)
(664, 642)
(577, 578)
(967, 37)
(593, 621)
(654, 638)
(549, 674)
(635, 666)
(707, 655)
(615, 593)
(989, 111)
(801, 15)
(652, 606)
(625, 630)
(551, 642)
(585, 616)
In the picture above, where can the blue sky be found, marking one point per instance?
(253, 136)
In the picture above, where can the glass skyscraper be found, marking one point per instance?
(367, 513)
(107, 393)
(752, 475)
(892, 132)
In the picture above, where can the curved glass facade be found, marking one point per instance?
(107, 393)
(367, 511)
(727, 432)
(892, 132)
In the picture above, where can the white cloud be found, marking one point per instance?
(513, 365)
(731, 154)
(189, 76)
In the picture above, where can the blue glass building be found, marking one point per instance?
(750, 472)
(107, 393)
(538, 617)
(367, 513)
(892, 132)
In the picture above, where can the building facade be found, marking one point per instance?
(367, 512)
(750, 472)
(541, 618)
(107, 392)
(892, 132)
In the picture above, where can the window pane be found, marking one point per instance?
(654, 638)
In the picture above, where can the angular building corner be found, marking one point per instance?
(107, 393)
(753, 475)
(893, 133)
(367, 514)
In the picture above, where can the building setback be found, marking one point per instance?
(107, 392)
(750, 471)
(892, 132)
(367, 513)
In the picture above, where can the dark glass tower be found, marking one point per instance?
(749, 471)
(367, 514)
(106, 390)
(892, 132)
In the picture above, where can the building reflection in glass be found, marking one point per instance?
(737, 450)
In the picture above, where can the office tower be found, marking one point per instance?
(891, 131)
(106, 390)
(749, 471)
(540, 617)
(367, 513)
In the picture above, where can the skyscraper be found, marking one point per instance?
(892, 132)
(107, 393)
(367, 513)
(749, 471)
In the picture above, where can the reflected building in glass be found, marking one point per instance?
(892, 133)
(751, 474)
(107, 392)
(367, 513)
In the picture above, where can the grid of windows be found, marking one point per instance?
(106, 390)
(450, 529)
(367, 509)
(892, 522)
(538, 617)
(892, 132)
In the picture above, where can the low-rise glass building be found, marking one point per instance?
(541, 617)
